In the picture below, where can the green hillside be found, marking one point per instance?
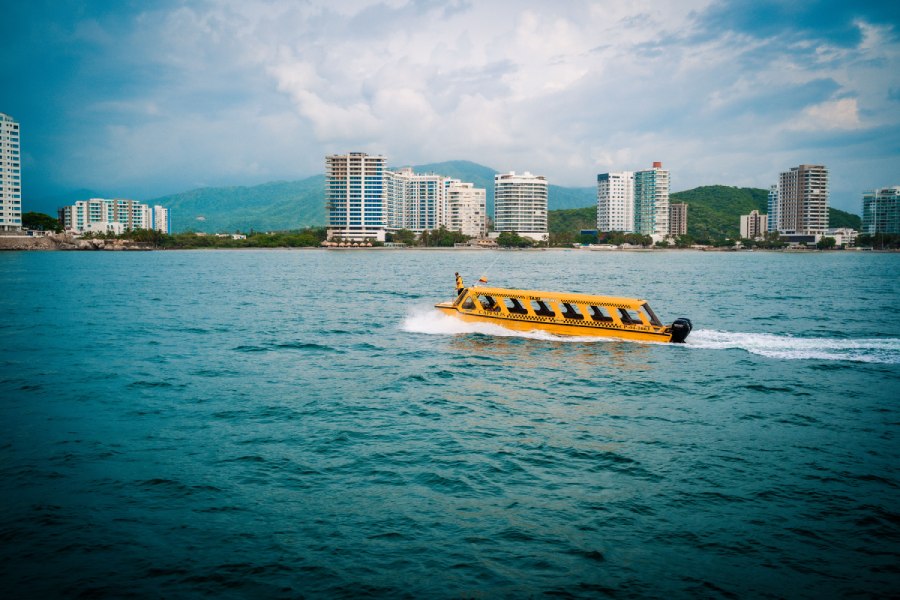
(272, 206)
(572, 220)
(839, 218)
(714, 212)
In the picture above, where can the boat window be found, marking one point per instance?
(542, 308)
(488, 303)
(652, 315)
(514, 306)
(598, 313)
(630, 317)
(570, 311)
(468, 304)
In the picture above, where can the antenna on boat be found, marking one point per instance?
(483, 278)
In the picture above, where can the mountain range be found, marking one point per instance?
(275, 206)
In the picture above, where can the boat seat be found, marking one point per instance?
(598, 315)
(626, 318)
(513, 306)
(570, 312)
(542, 310)
(488, 303)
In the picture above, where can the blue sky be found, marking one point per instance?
(141, 99)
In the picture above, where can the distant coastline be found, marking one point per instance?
(63, 242)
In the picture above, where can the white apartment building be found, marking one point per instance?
(754, 225)
(161, 220)
(520, 204)
(102, 215)
(651, 202)
(881, 210)
(803, 201)
(355, 196)
(843, 236)
(10, 175)
(466, 208)
(615, 201)
(413, 201)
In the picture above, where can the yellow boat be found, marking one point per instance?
(563, 313)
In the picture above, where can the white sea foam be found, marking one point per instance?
(873, 350)
(434, 322)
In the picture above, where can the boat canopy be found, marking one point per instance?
(631, 303)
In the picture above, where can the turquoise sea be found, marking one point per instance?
(302, 423)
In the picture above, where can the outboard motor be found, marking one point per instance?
(680, 330)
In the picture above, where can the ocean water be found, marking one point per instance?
(237, 424)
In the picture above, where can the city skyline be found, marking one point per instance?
(365, 200)
(143, 102)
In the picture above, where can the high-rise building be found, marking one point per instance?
(651, 202)
(881, 210)
(615, 201)
(803, 200)
(102, 215)
(161, 220)
(10, 175)
(520, 204)
(772, 222)
(466, 208)
(753, 225)
(355, 196)
(414, 201)
(678, 214)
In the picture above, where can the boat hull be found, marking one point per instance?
(557, 326)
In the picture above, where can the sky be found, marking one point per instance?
(140, 99)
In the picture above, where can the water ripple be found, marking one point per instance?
(241, 439)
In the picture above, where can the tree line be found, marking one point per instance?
(573, 220)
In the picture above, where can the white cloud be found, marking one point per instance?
(835, 114)
(565, 89)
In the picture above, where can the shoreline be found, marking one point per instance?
(67, 243)
(27, 243)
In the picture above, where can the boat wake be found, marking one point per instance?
(870, 350)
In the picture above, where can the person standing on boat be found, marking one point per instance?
(459, 285)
